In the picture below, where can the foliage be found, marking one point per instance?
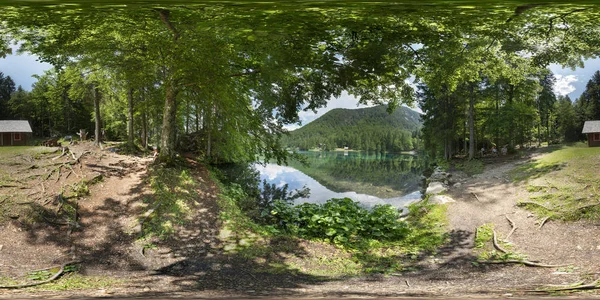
(341, 221)
(368, 129)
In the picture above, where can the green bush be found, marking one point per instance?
(340, 221)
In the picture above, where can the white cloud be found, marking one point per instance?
(564, 84)
(272, 171)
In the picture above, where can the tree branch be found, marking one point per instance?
(164, 17)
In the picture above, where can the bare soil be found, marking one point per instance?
(195, 262)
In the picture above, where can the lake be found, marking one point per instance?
(369, 178)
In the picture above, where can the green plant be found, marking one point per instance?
(340, 221)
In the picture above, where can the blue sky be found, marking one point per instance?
(569, 82)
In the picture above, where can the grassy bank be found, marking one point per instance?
(563, 183)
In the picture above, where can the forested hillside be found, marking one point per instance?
(369, 129)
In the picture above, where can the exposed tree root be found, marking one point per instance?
(54, 277)
(525, 203)
(524, 262)
(542, 222)
(476, 197)
(495, 242)
(574, 287)
(512, 225)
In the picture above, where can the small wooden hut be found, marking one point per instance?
(592, 129)
(14, 133)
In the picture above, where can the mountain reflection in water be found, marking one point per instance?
(370, 179)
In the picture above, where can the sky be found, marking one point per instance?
(568, 82)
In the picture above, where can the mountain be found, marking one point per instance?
(369, 129)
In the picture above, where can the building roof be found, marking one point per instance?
(15, 126)
(591, 127)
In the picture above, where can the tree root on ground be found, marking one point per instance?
(54, 277)
(525, 203)
(524, 262)
(495, 242)
(543, 221)
(573, 287)
(512, 225)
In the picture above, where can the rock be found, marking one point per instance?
(457, 184)
(435, 188)
(440, 199)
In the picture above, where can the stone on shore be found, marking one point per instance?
(440, 199)
(435, 188)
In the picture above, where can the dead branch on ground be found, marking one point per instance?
(476, 197)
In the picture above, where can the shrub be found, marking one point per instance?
(340, 221)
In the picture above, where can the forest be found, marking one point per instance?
(223, 81)
(367, 129)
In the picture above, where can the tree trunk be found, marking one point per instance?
(97, 131)
(144, 120)
(471, 124)
(130, 135)
(169, 125)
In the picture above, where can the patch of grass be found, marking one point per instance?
(76, 281)
(484, 235)
(471, 167)
(563, 184)
(175, 194)
(485, 249)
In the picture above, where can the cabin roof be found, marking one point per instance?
(15, 126)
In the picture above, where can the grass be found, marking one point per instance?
(471, 167)
(70, 280)
(174, 196)
(485, 249)
(563, 183)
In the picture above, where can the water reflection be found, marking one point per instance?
(368, 178)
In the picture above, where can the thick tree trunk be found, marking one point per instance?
(471, 124)
(130, 135)
(169, 125)
(97, 131)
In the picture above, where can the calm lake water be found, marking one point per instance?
(368, 178)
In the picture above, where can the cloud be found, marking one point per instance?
(564, 84)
